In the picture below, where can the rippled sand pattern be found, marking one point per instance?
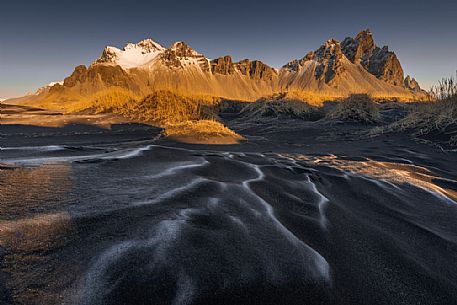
(158, 225)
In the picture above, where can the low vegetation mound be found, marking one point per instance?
(356, 108)
(435, 120)
(202, 132)
(161, 107)
(165, 108)
(280, 107)
(185, 119)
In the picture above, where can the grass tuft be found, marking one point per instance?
(356, 108)
(277, 107)
(436, 119)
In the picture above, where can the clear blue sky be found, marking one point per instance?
(42, 41)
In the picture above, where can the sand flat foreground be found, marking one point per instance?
(299, 213)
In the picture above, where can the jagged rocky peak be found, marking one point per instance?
(329, 52)
(294, 65)
(181, 49)
(78, 75)
(412, 84)
(109, 55)
(330, 49)
(385, 66)
(181, 55)
(329, 57)
(146, 46)
(359, 48)
(222, 65)
(256, 69)
(380, 62)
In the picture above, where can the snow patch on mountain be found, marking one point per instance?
(132, 55)
(46, 88)
(52, 84)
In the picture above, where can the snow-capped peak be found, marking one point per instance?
(132, 55)
(146, 45)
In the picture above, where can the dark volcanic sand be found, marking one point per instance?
(301, 213)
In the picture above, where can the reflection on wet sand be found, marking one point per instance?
(29, 230)
(394, 173)
(29, 190)
(38, 233)
(31, 116)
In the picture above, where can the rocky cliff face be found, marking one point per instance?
(256, 70)
(329, 57)
(180, 55)
(78, 75)
(109, 55)
(378, 61)
(360, 48)
(386, 66)
(327, 60)
(412, 84)
(223, 65)
(105, 75)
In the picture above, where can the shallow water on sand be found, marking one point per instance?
(148, 224)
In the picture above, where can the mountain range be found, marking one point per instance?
(335, 70)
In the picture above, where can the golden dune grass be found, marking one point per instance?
(274, 107)
(438, 115)
(186, 119)
(358, 108)
(202, 132)
(425, 118)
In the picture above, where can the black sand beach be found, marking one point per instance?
(300, 213)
